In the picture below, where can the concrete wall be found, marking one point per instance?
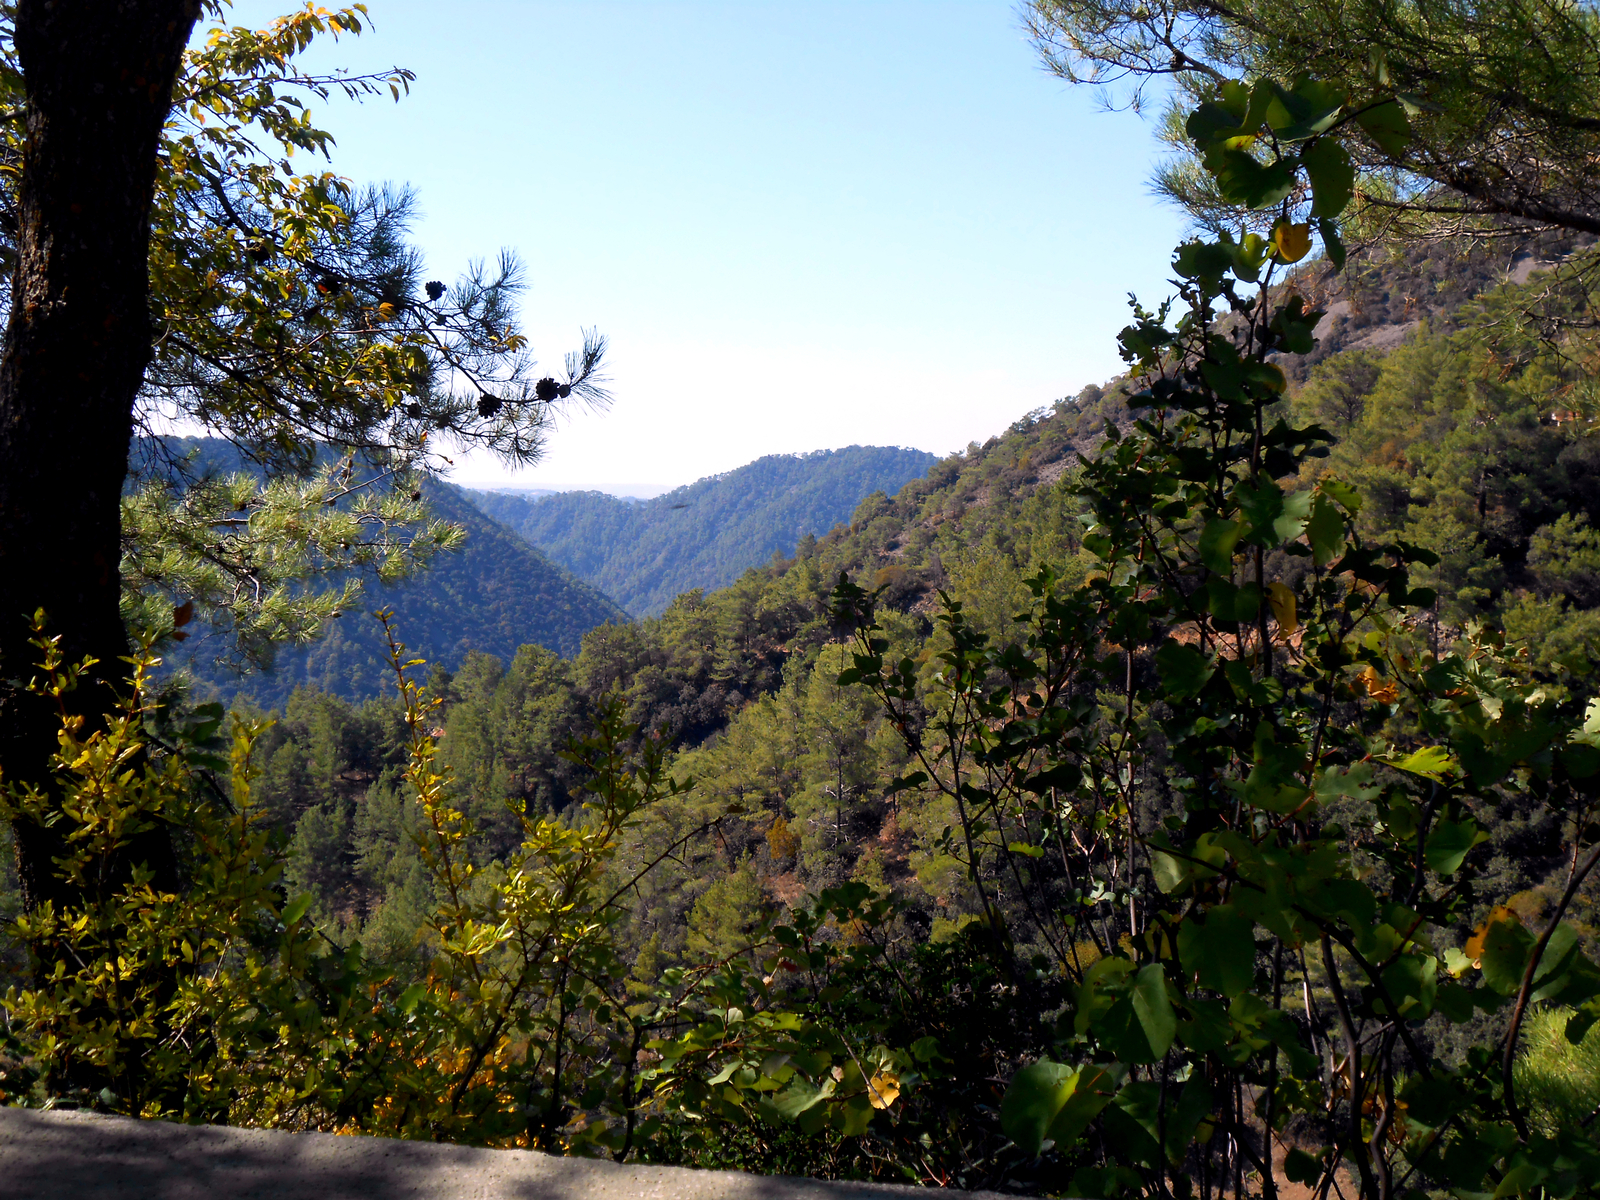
(82, 1156)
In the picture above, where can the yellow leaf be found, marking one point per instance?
(883, 1089)
(1381, 690)
(1293, 242)
(1475, 943)
(386, 311)
(1283, 609)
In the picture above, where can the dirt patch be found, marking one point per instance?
(786, 888)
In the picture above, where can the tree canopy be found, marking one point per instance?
(1498, 96)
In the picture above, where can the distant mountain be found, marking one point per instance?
(494, 594)
(706, 534)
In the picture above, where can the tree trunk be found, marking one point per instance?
(98, 76)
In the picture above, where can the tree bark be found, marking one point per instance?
(98, 76)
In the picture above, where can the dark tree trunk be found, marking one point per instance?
(99, 76)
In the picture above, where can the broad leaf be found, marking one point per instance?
(1325, 529)
(1217, 541)
(1183, 669)
(1387, 125)
(1332, 177)
(1431, 762)
(1050, 1099)
(1449, 842)
(1154, 1009)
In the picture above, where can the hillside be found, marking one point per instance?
(1461, 434)
(495, 594)
(1386, 292)
(705, 534)
(1457, 454)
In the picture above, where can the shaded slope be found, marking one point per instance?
(493, 595)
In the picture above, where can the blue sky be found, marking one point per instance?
(801, 225)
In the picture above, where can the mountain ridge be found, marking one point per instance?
(705, 534)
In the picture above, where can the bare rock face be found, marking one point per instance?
(82, 1156)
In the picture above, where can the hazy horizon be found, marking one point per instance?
(801, 226)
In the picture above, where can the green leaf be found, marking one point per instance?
(1412, 981)
(1210, 123)
(1173, 870)
(1325, 530)
(1243, 180)
(1300, 1167)
(1232, 602)
(1332, 243)
(1205, 261)
(800, 1096)
(1449, 842)
(1274, 781)
(1345, 496)
(296, 908)
(1221, 952)
(1194, 1105)
(1432, 1102)
(926, 1050)
(1183, 669)
(1154, 1009)
(1454, 1001)
(1217, 541)
(1333, 178)
(852, 1117)
(1093, 1087)
(1037, 1094)
(409, 998)
(1553, 974)
(1354, 781)
(1133, 1122)
(1065, 776)
(1291, 523)
(1580, 760)
(914, 779)
(1581, 1021)
(1501, 946)
(1388, 126)
(1308, 96)
(1310, 127)
(1274, 517)
(1431, 762)
(1233, 97)
(1249, 255)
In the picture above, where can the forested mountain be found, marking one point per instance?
(794, 782)
(705, 534)
(1193, 791)
(1456, 434)
(1458, 454)
(494, 594)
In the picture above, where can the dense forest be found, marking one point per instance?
(1454, 458)
(492, 595)
(797, 780)
(703, 535)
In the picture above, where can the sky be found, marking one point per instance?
(801, 225)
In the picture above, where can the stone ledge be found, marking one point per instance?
(84, 1156)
